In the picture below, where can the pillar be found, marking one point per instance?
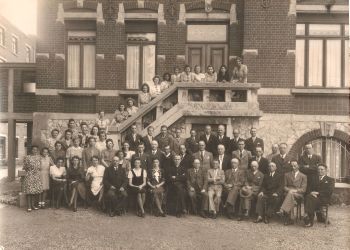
(11, 157)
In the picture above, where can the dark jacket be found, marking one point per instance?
(234, 144)
(192, 144)
(325, 188)
(145, 160)
(133, 143)
(263, 164)
(226, 162)
(226, 142)
(311, 171)
(116, 178)
(147, 143)
(250, 145)
(197, 180)
(273, 184)
(211, 144)
(178, 172)
(187, 161)
(283, 165)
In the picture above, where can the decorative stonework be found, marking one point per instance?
(181, 58)
(265, 4)
(120, 57)
(140, 4)
(80, 3)
(42, 55)
(161, 58)
(232, 58)
(233, 14)
(121, 14)
(60, 14)
(60, 56)
(182, 14)
(100, 56)
(208, 6)
(292, 8)
(327, 128)
(291, 52)
(250, 52)
(161, 19)
(99, 14)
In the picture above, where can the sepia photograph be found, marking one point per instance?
(174, 124)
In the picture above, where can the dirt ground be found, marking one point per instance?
(90, 229)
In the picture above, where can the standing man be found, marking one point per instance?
(308, 163)
(216, 179)
(192, 142)
(243, 155)
(133, 138)
(222, 138)
(281, 160)
(142, 156)
(204, 156)
(274, 152)
(270, 195)
(319, 195)
(176, 177)
(147, 139)
(186, 158)
(262, 161)
(164, 138)
(211, 141)
(197, 187)
(178, 140)
(234, 180)
(224, 159)
(253, 142)
(234, 141)
(156, 153)
(295, 184)
(115, 182)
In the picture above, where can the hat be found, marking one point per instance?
(246, 191)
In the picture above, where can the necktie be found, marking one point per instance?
(202, 155)
(240, 154)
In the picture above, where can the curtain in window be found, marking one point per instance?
(347, 58)
(315, 62)
(333, 158)
(149, 63)
(132, 67)
(89, 66)
(333, 63)
(299, 62)
(73, 66)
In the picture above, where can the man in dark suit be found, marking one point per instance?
(282, 160)
(243, 155)
(167, 158)
(176, 178)
(197, 188)
(186, 158)
(224, 159)
(133, 138)
(222, 138)
(270, 195)
(262, 161)
(211, 141)
(308, 162)
(165, 138)
(144, 157)
(320, 194)
(295, 184)
(147, 139)
(178, 140)
(234, 141)
(204, 156)
(115, 182)
(252, 142)
(192, 142)
(155, 153)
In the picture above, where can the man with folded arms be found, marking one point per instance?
(295, 184)
(216, 179)
(270, 195)
(197, 185)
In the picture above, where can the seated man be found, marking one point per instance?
(197, 185)
(269, 197)
(320, 194)
(216, 178)
(115, 182)
(176, 179)
(295, 184)
(249, 192)
(234, 180)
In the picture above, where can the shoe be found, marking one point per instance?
(308, 225)
(35, 208)
(111, 213)
(43, 205)
(239, 218)
(178, 215)
(162, 214)
(280, 213)
(266, 220)
(258, 220)
(288, 222)
(214, 216)
(230, 216)
(202, 214)
(29, 210)
(75, 209)
(143, 215)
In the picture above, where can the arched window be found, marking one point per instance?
(335, 155)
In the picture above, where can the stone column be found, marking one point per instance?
(11, 157)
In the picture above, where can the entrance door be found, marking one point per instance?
(207, 54)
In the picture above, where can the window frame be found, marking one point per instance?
(81, 60)
(306, 38)
(14, 38)
(2, 36)
(28, 49)
(140, 45)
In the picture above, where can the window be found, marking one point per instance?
(141, 59)
(79, 104)
(14, 45)
(28, 54)
(81, 59)
(2, 36)
(2, 147)
(322, 55)
(335, 155)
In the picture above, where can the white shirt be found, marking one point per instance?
(272, 174)
(221, 158)
(207, 136)
(283, 156)
(56, 172)
(137, 173)
(296, 173)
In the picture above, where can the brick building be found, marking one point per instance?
(92, 55)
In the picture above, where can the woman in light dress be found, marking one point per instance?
(187, 75)
(127, 152)
(131, 108)
(59, 182)
(198, 76)
(101, 121)
(45, 163)
(145, 96)
(176, 76)
(240, 71)
(210, 75)
(95, 174)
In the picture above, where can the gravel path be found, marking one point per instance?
(89, 229)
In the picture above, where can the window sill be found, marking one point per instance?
(342, 185)
(321, 91)
(79, 92)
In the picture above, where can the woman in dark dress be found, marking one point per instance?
(223, 75)
(76, 184)
(137, 182)
(156, 182)
(59, 152)
(32, 184)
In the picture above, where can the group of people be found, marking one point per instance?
(149, 92)
(207, 174)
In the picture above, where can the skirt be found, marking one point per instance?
(32, 183)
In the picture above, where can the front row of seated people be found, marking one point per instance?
(209, 189)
